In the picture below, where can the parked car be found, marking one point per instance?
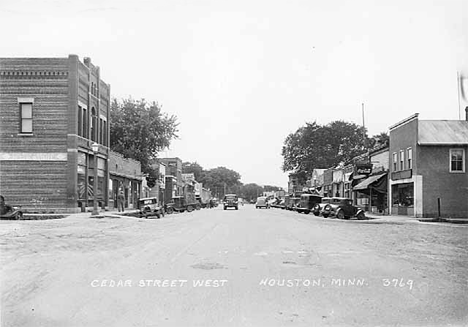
(9, 212)
(307, 202)
(231, 201)
(281, 204)
(343, 208)
(262, 202)
(179, 204)
(150, 207)
(319, 208)
(292, 203)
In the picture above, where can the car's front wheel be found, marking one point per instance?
(361, 216)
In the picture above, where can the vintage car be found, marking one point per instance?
(292, 203)
(230, 201)
(8, 211)
(307, 203)
(150, 207)
(319, 208)
(262, 202)
(180, 204)
(342, 208)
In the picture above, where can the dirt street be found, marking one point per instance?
(266, 267)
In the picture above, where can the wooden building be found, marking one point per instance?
(51, 111)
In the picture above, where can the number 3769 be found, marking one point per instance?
(397, 282)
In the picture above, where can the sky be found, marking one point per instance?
(241, 75)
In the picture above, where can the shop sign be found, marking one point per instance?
(363, 169)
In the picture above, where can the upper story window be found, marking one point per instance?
(402, 160)
(93, 125)
(457, 160)
(26, 118)
(410, 158)
(395, 161)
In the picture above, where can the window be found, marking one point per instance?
(395, 160)
(26, 117)
(402, 160)
(410, 158)
(457, 160)
(80, 121)
(85, 123)
(93, 125)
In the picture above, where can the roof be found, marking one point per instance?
(443, 132)
(368, 181)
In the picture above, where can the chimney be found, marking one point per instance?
(87, 61)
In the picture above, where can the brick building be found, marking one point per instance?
(52, 110)
(428, 166)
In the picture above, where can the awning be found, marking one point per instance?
(374, 183)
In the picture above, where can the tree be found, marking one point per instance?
(139, 130)
(251, 191)
(195, 169)
(378, 140)
(314, 146)
(222, 180)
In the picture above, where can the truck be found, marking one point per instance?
(203, 197)
(183, 202)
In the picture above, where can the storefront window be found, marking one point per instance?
(81, 187)
(402, 195)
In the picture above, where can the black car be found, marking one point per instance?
(231, 201)
(307, 203)
(341, 208)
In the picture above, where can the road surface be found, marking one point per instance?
(246, 267)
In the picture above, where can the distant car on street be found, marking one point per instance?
(262, 203)
(231, 201)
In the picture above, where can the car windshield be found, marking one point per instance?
(230, 197)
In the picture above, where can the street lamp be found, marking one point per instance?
(95, 148)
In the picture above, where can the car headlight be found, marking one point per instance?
(327, 208)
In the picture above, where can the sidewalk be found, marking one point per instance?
(375, 218)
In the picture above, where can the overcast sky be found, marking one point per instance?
(241, 75)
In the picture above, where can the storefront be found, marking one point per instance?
(374, 190)
(403, 199)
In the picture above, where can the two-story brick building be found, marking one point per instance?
(51, 111)
(428, 166)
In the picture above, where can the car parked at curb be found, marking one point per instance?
(292, 203)
(150, 207)
(307, 202)
(9, 212)
(341, 208)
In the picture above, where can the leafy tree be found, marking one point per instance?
(315, 146)
(194, 168)
(381, 139)
(222, 180)
(139, 130)
(251, 191)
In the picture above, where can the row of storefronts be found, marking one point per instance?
(422, 172)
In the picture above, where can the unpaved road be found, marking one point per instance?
(232, 268)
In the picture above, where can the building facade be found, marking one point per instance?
(124, 175)
(174, 169)
(428, 170)
(52, 110)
